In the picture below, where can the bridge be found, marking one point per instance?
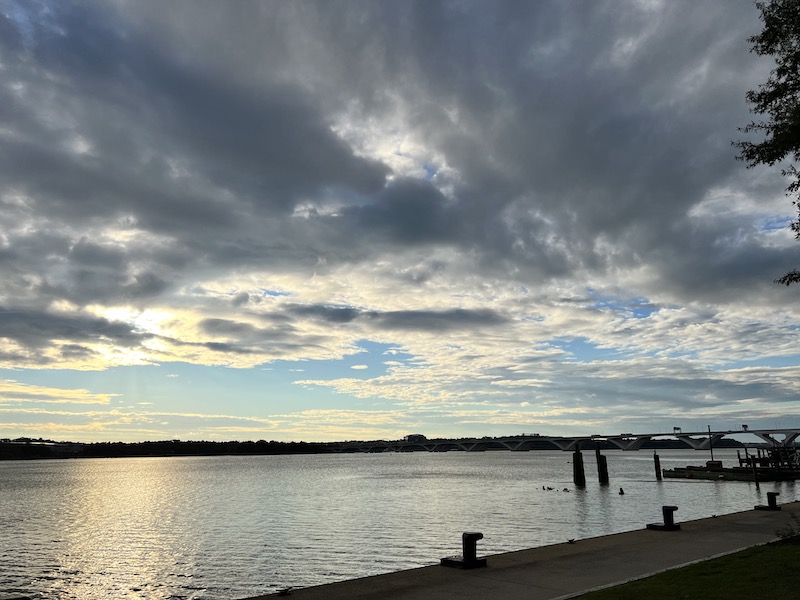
(698, 440)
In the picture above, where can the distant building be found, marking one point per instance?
(415, 438)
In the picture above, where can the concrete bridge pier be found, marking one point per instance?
(704, 443)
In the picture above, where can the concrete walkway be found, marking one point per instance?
(567, 570)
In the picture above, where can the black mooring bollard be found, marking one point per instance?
(657, 464)
(469, 545)
(669, 515)
(772, 502)
(578, 473)
(669, 520)
(469, 549)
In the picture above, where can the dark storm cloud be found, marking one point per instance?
(227, 327)
(240, 299)
(331, 314)
(45, 265)
(723, 265)
(266, 144)
(420, 320)
(236, 337)
(408, 211)
(583, 148)
(228, 348)
(568, 125)
(101, 255)
(35, 329)
(74, 351)
(87, 286)
(170, 148)
(443, 320)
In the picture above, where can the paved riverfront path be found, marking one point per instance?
(567, 570)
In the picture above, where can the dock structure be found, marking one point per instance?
(569, 569)
(701, 440)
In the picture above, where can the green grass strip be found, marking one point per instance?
(762, 572)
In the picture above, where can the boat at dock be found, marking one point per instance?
(779, 463)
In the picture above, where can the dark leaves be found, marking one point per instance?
(778, 99)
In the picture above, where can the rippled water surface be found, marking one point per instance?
(232, 527)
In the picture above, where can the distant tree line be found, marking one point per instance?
(30, 449)
(27, 448)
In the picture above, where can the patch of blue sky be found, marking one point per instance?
(96, 382)
(197, 389)
(775, 362)
(430, 171)
(273, 293)
(369, 363)
(200, 389)
(183, 387)
(775, 223)
(581, 349)
(637, 307)
(23, 21)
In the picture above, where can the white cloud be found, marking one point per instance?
(14, 392)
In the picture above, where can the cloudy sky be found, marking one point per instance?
(300, 220)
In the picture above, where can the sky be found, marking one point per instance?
(344, 219)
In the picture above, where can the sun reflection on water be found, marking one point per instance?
(121, 533)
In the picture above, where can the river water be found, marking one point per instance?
(232, 527)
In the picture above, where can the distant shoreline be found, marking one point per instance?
(29, 449)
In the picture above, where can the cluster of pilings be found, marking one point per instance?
(579, 473)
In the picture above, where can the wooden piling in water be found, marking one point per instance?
(602, 466)
(657, 464)
(755, 472)
(578, 472)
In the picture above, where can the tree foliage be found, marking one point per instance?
(778, 100)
